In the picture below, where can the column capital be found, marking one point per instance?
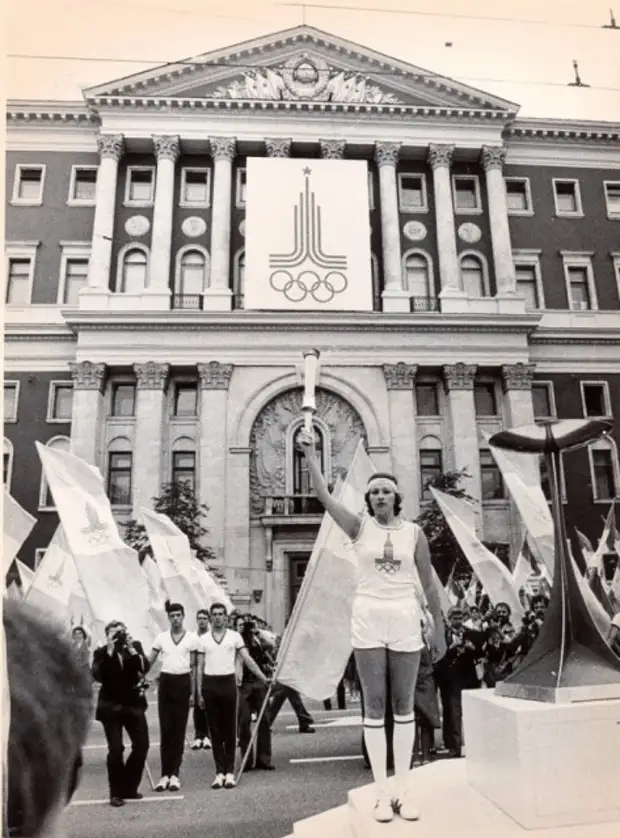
(223, 148)
(332, 149)
(88, 375)
(459, 376)
(111, 145)
(386, 154)
(493, 157)
(278, 146)
(400, 376)
(151, 375)
(518, 376)
(214, 376)
(440, 155)
(167, 147)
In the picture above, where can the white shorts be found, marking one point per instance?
(394, 624)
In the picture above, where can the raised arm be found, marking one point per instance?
(348, 521)
(425, 572)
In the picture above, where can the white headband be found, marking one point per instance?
(384, 480)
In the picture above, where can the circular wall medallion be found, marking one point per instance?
(194, 226)
(470, 232)
(137, 225)
(415, 231)
(242, 227)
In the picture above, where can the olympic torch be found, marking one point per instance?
(311, 378)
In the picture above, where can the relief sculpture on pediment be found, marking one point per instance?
(269, 461)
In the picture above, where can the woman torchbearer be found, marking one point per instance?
(394, 586)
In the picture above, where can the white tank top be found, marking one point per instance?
(386, 567)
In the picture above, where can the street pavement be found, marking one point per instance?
(313, 773)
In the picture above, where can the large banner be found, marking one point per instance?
(307, 235)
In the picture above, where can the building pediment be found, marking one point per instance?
(299, 65)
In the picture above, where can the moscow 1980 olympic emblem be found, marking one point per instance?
(324, 276)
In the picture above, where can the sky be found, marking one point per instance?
(527, 63)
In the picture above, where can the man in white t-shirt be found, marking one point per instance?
(218, 651)
(178, 649)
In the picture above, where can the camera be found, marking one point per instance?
(121, 637)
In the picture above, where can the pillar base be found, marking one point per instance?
(217, 299)
(94, 299)
(509, 302)
(396, 300)
(156, 299)
(453, 301)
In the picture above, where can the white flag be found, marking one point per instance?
(316, 644)
(16, 527)
(523, 567)
(157, 593)
(212, 589)
(25, 574)
(109, 570)
(492, 573)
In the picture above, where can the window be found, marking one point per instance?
(431, 466)
(603, 470)
(595, 399)
(83, 185)
(7, 463)
(123, 399)
(412, 193)
(60, 401)
(11, 400)
(241, 187)
(239, 276)
(302, 484)
(133, 269)
(74, 279)
(490, 477)
(466, 190)
(140, 185)
(19, 280)
(418, 277)
(567, 197)
(185, 399)
(28, 185)
(184, 468)
(195, 187)
(191, 279)
(528, 280)
(518, 196)
(484, 399)
(46, 501)
(542, 399)
(371, 191)
(580, 289)
(473, 275)
(119, 477)
(427, 399)
(612, 198)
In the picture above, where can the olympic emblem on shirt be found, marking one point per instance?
(389, 566)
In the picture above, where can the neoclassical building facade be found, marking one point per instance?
(495, 270)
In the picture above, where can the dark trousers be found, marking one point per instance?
(452, 712)
(201, 723)
(124, 778)
(220, 697)
(279, 695)
(341, 698)
(173, 709)
(251, 697)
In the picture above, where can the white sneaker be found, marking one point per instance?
(196, 744)
(229, 781)
(406, 808)
(218, 783)
(174, 784)
(206, 743)
(383, 812)
(163, 784)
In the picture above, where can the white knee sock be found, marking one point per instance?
(376, 745)
(404, 735)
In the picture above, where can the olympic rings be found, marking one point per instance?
(296, 289)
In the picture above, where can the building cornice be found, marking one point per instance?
(564, 129)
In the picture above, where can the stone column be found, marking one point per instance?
(214, 382)
(87, 410)
(395, 298)
(237, 490)
(151, 378)
(493, 158)
(111, 148)
(400, 381)
(332, 149)
(218, 296)
(167, 150)
(459, 382)
(278, 147)
(452, 296)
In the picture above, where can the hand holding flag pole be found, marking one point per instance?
(311, 378)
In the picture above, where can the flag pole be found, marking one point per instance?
(259, 719)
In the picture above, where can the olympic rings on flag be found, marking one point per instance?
(296, 289)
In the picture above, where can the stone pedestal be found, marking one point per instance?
(545, 765)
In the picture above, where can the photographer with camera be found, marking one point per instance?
(120, 667)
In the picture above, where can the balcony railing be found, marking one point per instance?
(288, 505)
(424, 304)
(187, 301)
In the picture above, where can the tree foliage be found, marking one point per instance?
(178, 501)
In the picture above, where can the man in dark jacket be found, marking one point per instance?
(120, 667)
